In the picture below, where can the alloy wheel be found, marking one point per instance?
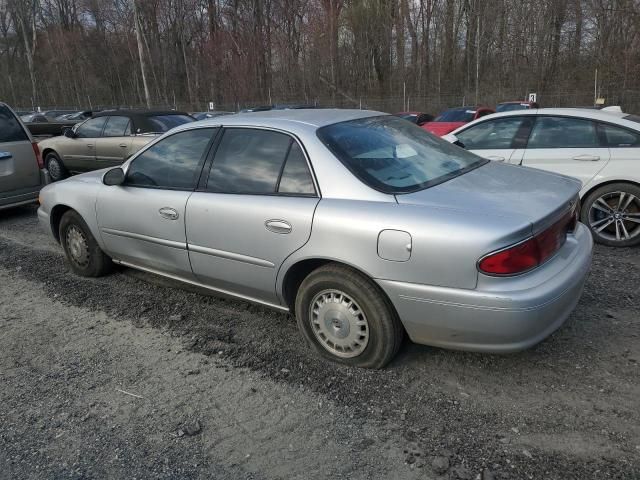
(339, 323)
(615, 216)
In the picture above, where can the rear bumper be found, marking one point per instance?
(502, 314)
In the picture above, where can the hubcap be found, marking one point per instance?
(339, 323)
(77, 246)
(615, 216)
(54, 169)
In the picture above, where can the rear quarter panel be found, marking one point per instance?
(446, 243)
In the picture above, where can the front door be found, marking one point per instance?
(499, 139)
(113, 147)
(256, 210)
(80, 152)
(567, 145)
(142, 222)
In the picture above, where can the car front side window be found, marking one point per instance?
(92, 128)
(492, 134)
(174, 162)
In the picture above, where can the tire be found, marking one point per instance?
(82, 251)
(612, 213)
(338, 305)
(56, 168)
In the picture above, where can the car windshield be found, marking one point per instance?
(509, 107)
(164, 123)
(464, 114)
(394, 156)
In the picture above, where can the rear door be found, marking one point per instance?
(80, 154)
(256, 209)
(113, 147)
(567, 145)
(19, 170)
(499, 139)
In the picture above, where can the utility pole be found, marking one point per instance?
(477, 55)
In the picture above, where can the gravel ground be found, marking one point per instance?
(224, 389)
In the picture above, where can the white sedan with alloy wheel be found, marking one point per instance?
(601, 148)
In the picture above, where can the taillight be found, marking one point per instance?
(36, 150)
(532, 252)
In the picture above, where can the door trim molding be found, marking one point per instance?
(231, 256)
(202, 285)
(145, 238)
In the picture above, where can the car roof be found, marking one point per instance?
(138, 113)
(308, 117)
(611, 116)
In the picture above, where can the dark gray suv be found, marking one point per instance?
(22, 172)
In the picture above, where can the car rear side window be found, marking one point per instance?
(10, 128)
(117, 127)
(563, 132)
(249, 161)
(296, 178)
(92, 128)
(492, 134)
(620, 137)
(173, 163)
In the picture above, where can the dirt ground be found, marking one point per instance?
(131, 376)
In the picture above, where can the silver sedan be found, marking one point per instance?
(363, 225)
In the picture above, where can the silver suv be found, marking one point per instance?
(22, 172)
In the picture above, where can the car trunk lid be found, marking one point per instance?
(496, 189)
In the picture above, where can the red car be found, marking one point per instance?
(454, 118)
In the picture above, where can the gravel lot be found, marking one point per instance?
(224, 389)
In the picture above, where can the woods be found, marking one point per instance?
(382, 54)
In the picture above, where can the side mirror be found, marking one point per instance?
(115, 176)
(68, 132)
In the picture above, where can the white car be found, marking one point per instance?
(601, 148)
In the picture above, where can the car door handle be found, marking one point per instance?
(495, 158)
(168, 213)
(89, 145)
(278, 226)
(123, 145)
(587, 158)
(5, 155)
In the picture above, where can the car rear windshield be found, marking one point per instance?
(164, 123)
(633, 118)
(464, 114)
(395, 156)
(510, 107)
(10, 128)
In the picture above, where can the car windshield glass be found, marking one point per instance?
(509, 107)
(164, 123)
(463, 114)
(395, 156)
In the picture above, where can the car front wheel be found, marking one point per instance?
(347, 318)
(56, 169)
(83, 252)
(612, 213)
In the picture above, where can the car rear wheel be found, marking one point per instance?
(84, 255)
(612, 213)
(55, 167)
(347, 318)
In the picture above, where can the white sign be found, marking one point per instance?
(532, 97)
(211, 106)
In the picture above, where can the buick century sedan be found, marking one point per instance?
(361, 224)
